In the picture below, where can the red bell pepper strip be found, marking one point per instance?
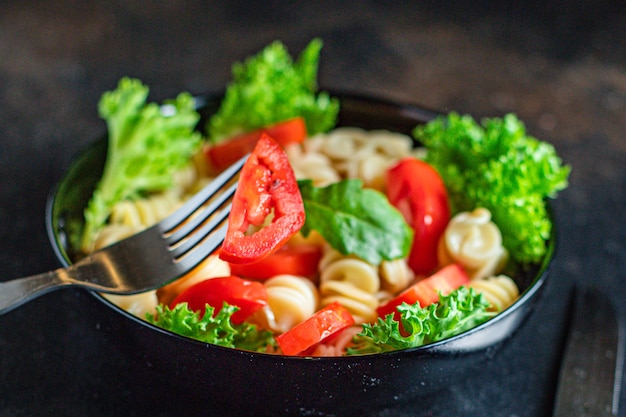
(326, 322)
(226, 153)
(267, 189)
(418, 192)
(427, 290)
(249, 296)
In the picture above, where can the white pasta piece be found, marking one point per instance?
(342, 144)
(145, 212)
(184, 179)
(201, 165)
(354, 271)
(395, 275)
(392, 144)
(500, 291)
(137, 304)
(373, 170)
(329, 256)
(291, 299)
(316, 169)
(112, 233)
(354, 284)
(211, 267)
(348, 152)
(314, 144)
(475, 242)
(311, 165)
(361, 304)
(197, 185)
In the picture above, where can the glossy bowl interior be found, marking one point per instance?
(233, 381)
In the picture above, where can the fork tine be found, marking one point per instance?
(194, 203)
(206, 247)
(203, 230)
(193, 226)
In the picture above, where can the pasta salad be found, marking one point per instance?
(341, 240)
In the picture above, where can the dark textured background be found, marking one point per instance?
(560, 66)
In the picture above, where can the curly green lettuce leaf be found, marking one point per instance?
(147, 143)
(356, 220)
(455, 313)
(218, 330)
(498, 166)
(270, 87)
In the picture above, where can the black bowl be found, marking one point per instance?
(233, 382)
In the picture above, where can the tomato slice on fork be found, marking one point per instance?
(267, 208)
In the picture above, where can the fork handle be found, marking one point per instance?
(21, 290)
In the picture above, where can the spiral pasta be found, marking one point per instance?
(137, 304)
(474, 241)
(500, 291)
(112, 233)
(144, 212)
(352, 282)
(291, 299)
(349, 153)
(395, 275)
(314, 166)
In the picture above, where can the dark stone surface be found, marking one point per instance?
(560, 66)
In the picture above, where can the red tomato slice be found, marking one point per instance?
(267, 187)
(226, 153)
(326, 322)
(426, 291)
(418, 192)
(300, 260)
(249, 296)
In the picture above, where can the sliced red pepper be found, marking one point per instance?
(301, 260)
(225, 153)
(427, 290)
(324, 323)
(418, 192)
(249, 296)
(267, 189)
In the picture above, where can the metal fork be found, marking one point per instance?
(144, 261)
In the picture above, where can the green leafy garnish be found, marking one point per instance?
(147, 143)
(356, 220)
(218, 330)
(270, 87)
(461, 310)
(496, 165)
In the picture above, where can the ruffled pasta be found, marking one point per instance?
(145, 212)
(112, 233)
(475, 242)
(352, 282)
(500, 291)
(349, 153)
(291, 299)
(395, 275)
(137, 304)
(314, 166)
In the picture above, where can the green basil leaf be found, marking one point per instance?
(356, 220)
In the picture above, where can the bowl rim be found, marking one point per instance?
(406, 110)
